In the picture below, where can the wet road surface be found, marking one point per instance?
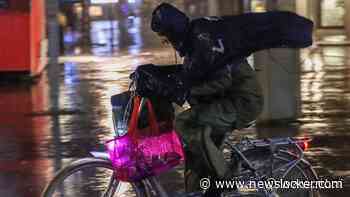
(67, 113)
(61, 118)
(325, 89)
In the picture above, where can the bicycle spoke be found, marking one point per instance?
(113, 184)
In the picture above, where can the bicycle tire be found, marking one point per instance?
(84, 164)
(261, 157)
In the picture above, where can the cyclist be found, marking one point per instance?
(225, 99)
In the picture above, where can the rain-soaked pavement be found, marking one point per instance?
(67, 113)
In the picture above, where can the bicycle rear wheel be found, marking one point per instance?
(90, 177)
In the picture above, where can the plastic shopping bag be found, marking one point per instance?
(145, 152)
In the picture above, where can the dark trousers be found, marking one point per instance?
(203, 128)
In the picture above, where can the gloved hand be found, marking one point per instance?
(133, 76)
(152, 80)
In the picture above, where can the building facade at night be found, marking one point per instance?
(23, 37)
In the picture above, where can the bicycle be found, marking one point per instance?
(253, 160)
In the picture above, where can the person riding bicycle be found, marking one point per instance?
(224, 99)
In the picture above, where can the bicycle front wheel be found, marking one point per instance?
(90, 177)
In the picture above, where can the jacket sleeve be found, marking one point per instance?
(207, 54)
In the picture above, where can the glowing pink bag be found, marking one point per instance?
(145, 152)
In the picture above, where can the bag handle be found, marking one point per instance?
(133, 129)
(133, 119)
(152, 119)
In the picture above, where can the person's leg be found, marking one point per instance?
(221, 120)
(218, 136)
(204, 159)
(195, 166)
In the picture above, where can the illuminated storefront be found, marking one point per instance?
(264, 5)
(332, 13)
(258, 5)
(325, 13)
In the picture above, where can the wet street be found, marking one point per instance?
(67, 113)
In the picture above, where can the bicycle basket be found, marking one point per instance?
(145, 152)
(121, 103)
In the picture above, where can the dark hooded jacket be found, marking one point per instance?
(215, 48)
(210, 43)
(226, 86)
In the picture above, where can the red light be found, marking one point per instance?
(304, 145)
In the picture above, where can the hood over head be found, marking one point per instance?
(171, 22)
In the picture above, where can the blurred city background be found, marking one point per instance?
(61, 60)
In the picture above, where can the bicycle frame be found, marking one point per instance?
(272, 144)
